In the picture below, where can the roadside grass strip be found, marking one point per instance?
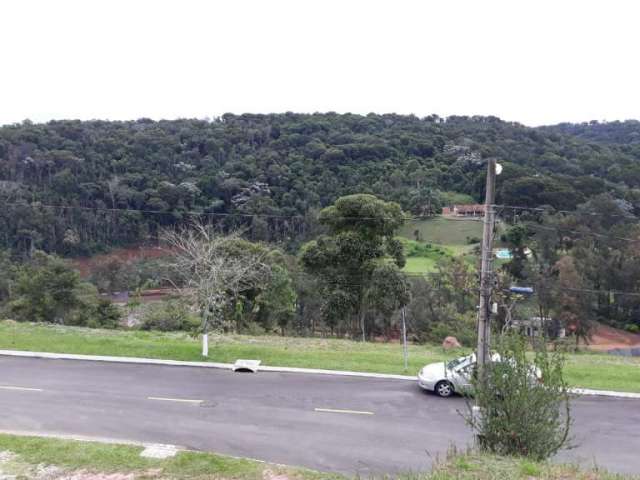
(40, 458)
(30, 457)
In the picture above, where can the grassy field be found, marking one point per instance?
(447, 234)
(422, 257)
(443, 230)
(588, 370)
(34, 457)
(329, 353)
(419, 265)
(38, 458)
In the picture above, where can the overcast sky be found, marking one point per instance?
(536, 62)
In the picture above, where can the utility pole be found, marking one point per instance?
(486, 273)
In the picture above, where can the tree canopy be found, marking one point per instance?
(116, 183)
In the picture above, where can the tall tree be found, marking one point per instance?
(361, 236)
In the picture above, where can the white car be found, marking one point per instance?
(455, 376)
(447, 378)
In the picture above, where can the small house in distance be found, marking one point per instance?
(475, 210)
(538, 326)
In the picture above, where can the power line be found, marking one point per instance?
(228, 215)
(601, 292)
(568, 212)
(581, 233)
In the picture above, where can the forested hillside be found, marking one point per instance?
(282, 166)
(627, 132)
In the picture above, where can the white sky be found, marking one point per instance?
(533, 61)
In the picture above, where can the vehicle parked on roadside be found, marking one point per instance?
(455, 376)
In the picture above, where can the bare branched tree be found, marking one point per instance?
(214, 274)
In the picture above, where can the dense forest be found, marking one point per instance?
(77, 188)
(569, 200)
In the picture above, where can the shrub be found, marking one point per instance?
(93, 311)
(464, 332)
(521, 415)
(168, 315)
(632, 328)
(103, 314)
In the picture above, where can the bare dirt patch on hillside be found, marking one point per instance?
(143, 252)
(607, 338)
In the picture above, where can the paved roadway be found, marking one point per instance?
(381, 426)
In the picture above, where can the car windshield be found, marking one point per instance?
(456, 362)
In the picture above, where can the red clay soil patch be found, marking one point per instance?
(607, 338)
(85, 264)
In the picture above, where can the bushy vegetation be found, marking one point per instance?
(473, 465)
(524, 402)
(47, 289)
(584, 265)
(169, 315)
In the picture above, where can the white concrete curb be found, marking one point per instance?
(229, 366)
(344, 373)
(180, 363)
(104, 358)
(604, 393)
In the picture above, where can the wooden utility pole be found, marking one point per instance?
(486, 272)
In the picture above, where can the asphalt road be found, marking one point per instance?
(343, 424)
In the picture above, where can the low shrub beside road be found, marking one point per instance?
(588, 370)
(476, 466)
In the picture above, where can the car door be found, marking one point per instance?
(461, 377)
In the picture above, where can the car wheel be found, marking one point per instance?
(444, 389)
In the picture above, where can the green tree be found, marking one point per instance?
(572, 304)
(277, 301)
(516, 238)
(388, 292)
(46, 290)
(361, 235)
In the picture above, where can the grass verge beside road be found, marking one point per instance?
(587, 370)
(51, 459)
(473, 466)
(40, 458)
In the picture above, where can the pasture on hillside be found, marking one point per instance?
(446, 234)
(444, 230)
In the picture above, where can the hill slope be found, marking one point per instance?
(277, 165)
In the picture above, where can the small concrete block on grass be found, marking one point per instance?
(159, 451)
